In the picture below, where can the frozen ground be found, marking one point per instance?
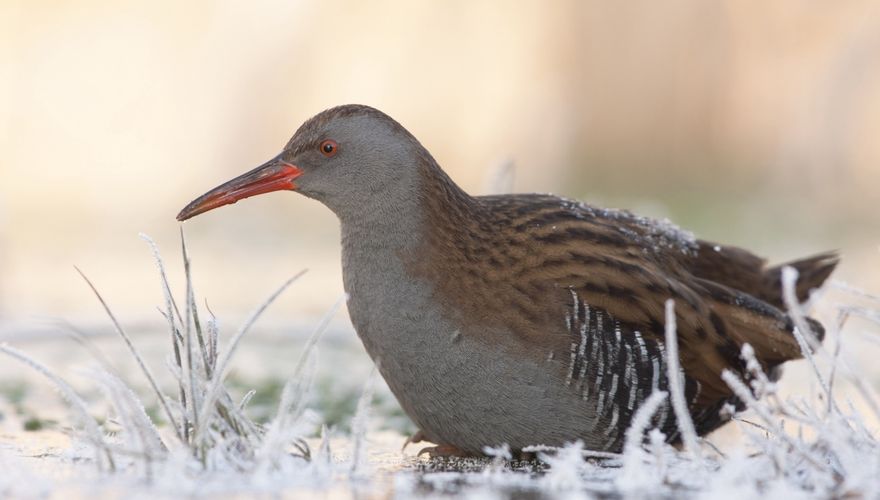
(795, 442)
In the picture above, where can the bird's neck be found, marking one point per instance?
(408, 215)
(379, 249)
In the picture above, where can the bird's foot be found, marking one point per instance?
(418, 437)
(444, 451)
(438, 451)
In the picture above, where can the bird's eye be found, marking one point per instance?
(328, 148)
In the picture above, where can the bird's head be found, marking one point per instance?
(346, 157)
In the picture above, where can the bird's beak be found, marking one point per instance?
(274, 175)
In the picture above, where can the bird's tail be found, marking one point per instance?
(812, 273)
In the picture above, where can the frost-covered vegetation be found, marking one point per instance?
(202, 441)
(205, 433)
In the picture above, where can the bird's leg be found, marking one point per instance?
(439, 451)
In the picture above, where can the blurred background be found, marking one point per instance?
(747, 122)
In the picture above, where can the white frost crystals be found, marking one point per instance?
(208, 433)
(648, 232)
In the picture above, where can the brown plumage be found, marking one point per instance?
(523, 319)
(517, 248)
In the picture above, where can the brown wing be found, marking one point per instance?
(629, 266)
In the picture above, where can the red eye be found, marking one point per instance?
(328, 148)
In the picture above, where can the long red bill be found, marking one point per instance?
(274, 175)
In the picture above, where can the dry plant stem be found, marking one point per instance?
(742, 391)
(216, 380)
(134, 419)
(318, 332)
(842, 318)
(500, 178)
(867, 392)
(642, 419)
(717, 450)
(360, 422)
(640, 422)
(861, 312)
(789, 276)
(136, 355)
(846, 287)
(246, 399)
(193, 387)
(679, 405)
(805, 336)
(324, 453)
(191, 305)
(166, 287)
(289, 411)
(657, 446)
(181, 387)
(194, 390)
(79, 406)
(170, 309)
(753, 424)
(80, 338)
(198, 372)
(213, 337)
(288, 393)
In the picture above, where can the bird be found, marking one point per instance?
(525, 319)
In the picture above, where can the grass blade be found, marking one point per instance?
(213, 389)
(136, 355)
(676, 391)
(93, 432)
